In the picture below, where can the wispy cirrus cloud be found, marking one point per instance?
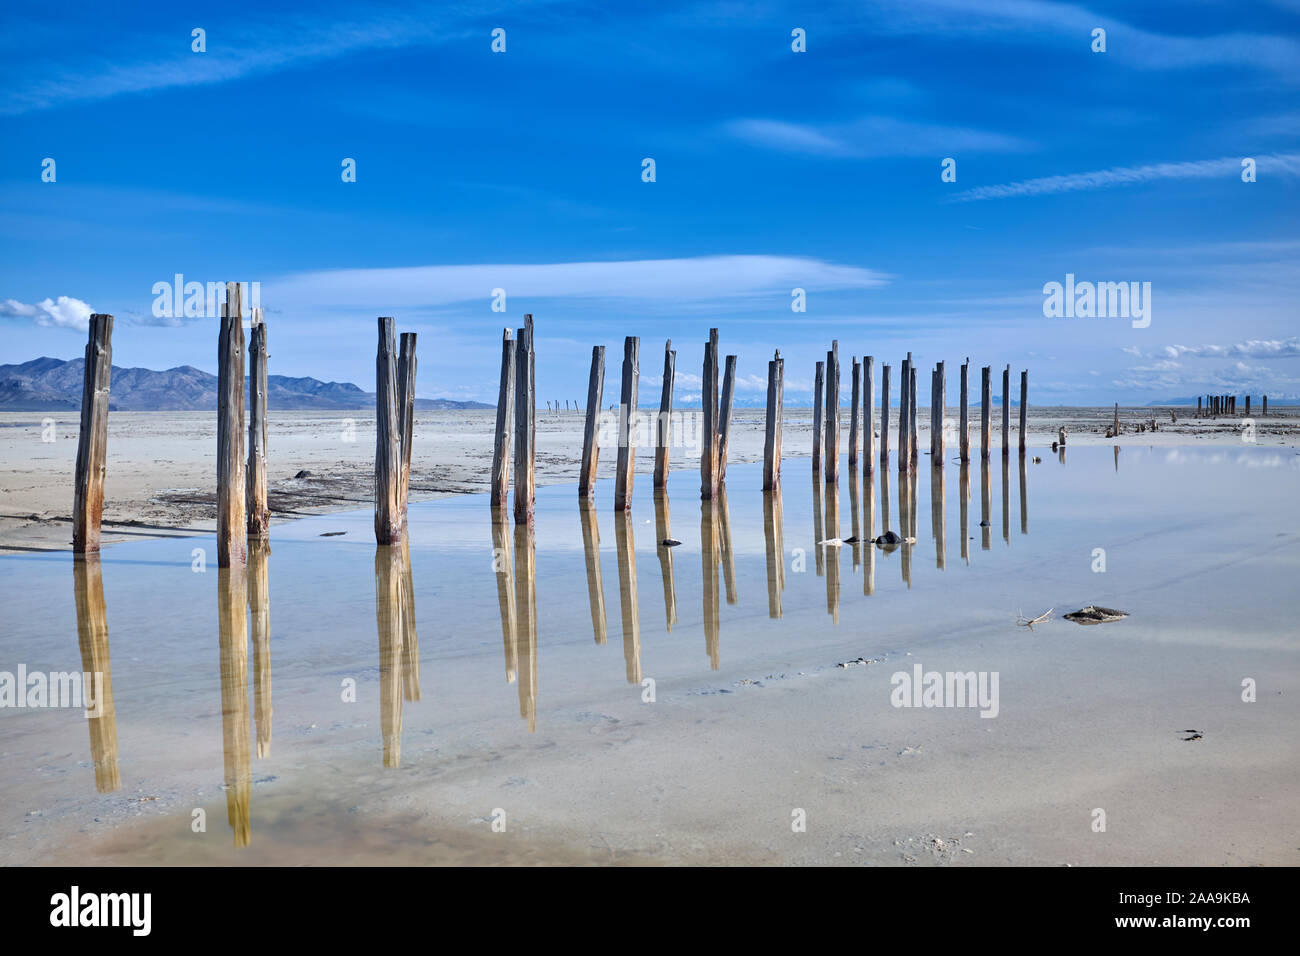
(1254, 348)
(1281, 164)
(870, 137)
(63, 312)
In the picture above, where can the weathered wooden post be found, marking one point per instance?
(590, 441)
(819, 411)
(664, 430)
(709, 399)
(1198, 406)
(406, 415)
(986, 400)
(831, 452)
(1006, 410)
(92, 439)
(1116, 425)
(884, 413)
(941, 400)
(912, 442)
(258, 514)
(627, 424)
(232, 543)
(724, 416)
(1024, 407)
(855, 398)
(868, 414)
(772, 435)
(1264, 407)
(963, 438)
(1247, 406)
(525, 422)
(904, 407)
(388, 438)
(505, 422)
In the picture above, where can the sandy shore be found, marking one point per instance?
(162, 465)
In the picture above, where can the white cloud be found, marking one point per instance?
(64, 312)
(870, 136)
(1254, 348)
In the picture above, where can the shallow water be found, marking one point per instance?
(334, 678)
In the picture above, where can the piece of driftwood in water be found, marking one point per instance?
(1092, 614)
(1030, 622)
(92, 440)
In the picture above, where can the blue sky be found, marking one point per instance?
(522, 170)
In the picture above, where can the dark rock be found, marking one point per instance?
(1095, 615)
(303, 474)
(670, 542)
(889, 537)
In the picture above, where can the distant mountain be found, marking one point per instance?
(49, 384)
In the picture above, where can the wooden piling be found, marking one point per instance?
(1264, 407)
(525, 422)
(911, 415)
(663, 427)
(627, 424)
(388, 438)
(232, 529)
(963, 437)
(1247, 406)
(258, 514)
(868, 414)
(819, 412)
(505, 422)
(884, 413)
(855, 398)
(986, 401)
(1198, 406)
(1006, 410)
(1024, 408)
(405, 416)
(831, 453)
(724, 416)
(904, 405)
(941, 399)
(709, 399)
(590, 443)
(772, 435)
(92, 439)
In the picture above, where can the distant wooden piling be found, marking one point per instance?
(855, 398)
(505, 422)
(819, 412)
(772, 435)
(258, 514)
(1006, 410)
(904, 404)
(627, 424)
(963, 438)
(388, 438)
(884, 412)
(911, 415)
(1116, 423)
(663, 426)
(1247, 406)
(986, 401)
(831, 453)
(590, 442)
(940, 400)
(1198, 407)
(1264, 407)
(525, 422)
(724, 416)
(232, 526)
(1024, 408)
(709, 399)
(406, 366)
(92, 439)
(868, 414)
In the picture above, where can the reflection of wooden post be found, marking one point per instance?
(503, 564)
(884, 413)
(986, 506)
(664, 429)
(855, 512)
(405, 416)
(819, 525)
(388, 438)
(884, 502)
(505, 421)
(710, 557)
(627, 594)
(1024, 408)
(963, 497)
(724, 416)
(591, 552)
(819, 412)
(410, 638)
(986, 400)
(663, 532)
(728, 555)
(388, 622)
(92, 439)
(1024, 499)
(906, 492)
(832, 531)
(938, 491)
(869, 534)
(868, 413)
(526, 621)
(963, 438)
(773, 520)
(832, 450)
(259, 614)
(259, 515)
(904, 409)
(590, 440)
(1006, 500)
(709, 399)
(772, 434)
(627, 424)
(92, 639)
(525, 422)
(231, 524)
(232, 629)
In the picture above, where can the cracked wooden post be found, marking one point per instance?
(525, 422)
(904, 407)
(232, 543)
(884, 413)
(92, 439)
(590, 436)
(819, 412)
(831, 453)
(986, 400)
(505, 422)
(940, 400)
(868, 413)
(627, 424)
(913, 438)
(709, 399)
(1006, 410)
(772, 434)
(855, 398)
(388, 438)
(1024, 407)
(724, 416)
(405, 417)
(963, 438)
(664, 427)
(258, 514)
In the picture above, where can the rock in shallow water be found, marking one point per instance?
(1095, 615)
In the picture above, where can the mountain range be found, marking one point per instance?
(50, 384)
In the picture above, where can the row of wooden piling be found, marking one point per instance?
(1212, 406)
